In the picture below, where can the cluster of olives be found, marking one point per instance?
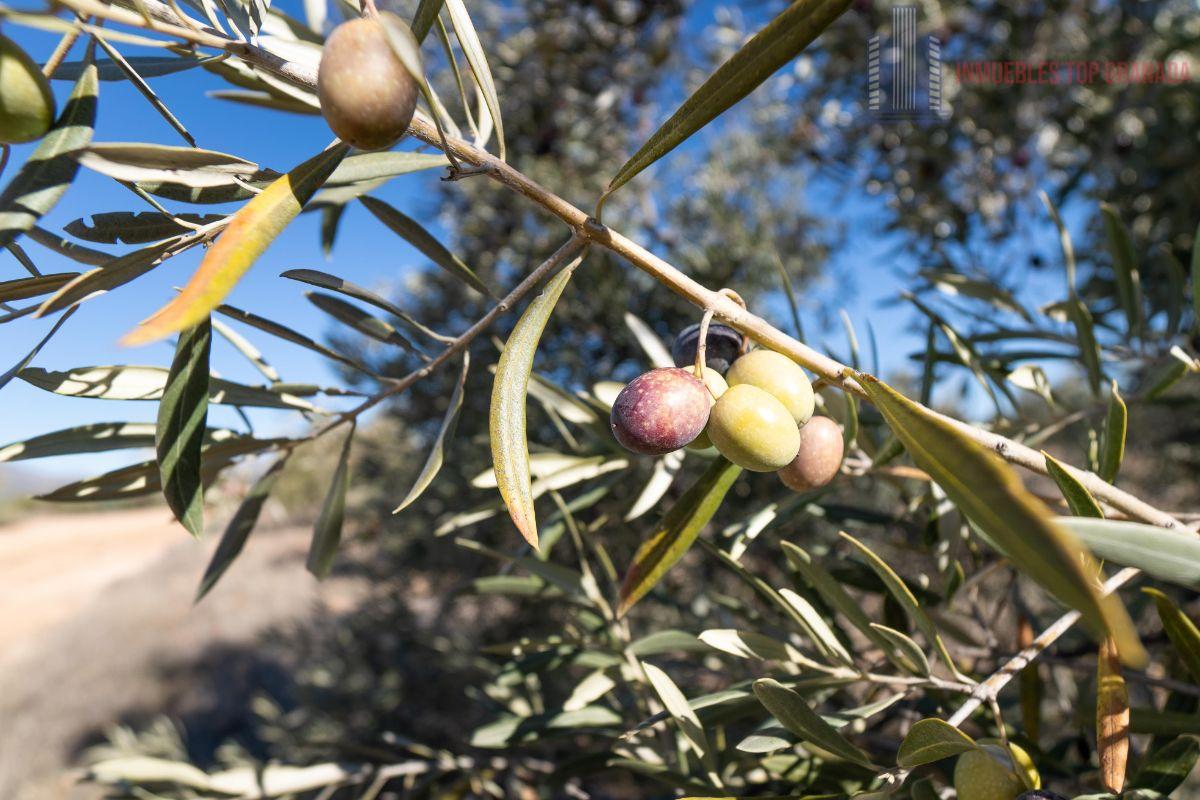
(755, 408)
(367, 95)
(26, 102)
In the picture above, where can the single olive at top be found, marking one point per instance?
(367, 95)
(987, 774)
(779, 376)
(753, 429)
(819, 457)
(26, 102)
(722, 346)
(660, 411)
(716, 387)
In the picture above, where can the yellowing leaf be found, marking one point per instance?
(247, 236)
(506, 420)
(989, 493)
(676, 531)
(1112, 719)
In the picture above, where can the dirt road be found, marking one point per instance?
(97, 625)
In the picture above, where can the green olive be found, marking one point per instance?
(716, 386)
(753, 429)
(367, 95)
(987, 774)
(819, 457)
(778, 375)
(26, 102)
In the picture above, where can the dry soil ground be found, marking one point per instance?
(97, 625)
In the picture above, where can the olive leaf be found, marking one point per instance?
(506, 425)
(656, 487)
(44, 178)
(281, 331)
(144, 89)
(327, 533)
(1078, 498)
(798, 717)
(20, 366)
(95, 438)
(247, 236)
(1112, 718)
(146, 66)
(990, 494)
(932, 740)
(472, 48)
(1169, 555)
(909, 651)
(412, 232)
(1115, 426)
(248, 350)
(240, 526)
(182, 418)
(113, 274)
(437, 453)
(772, 47)
(1196, 273)
(1181, 630)
(674, 534)
(651, 345)
(140, 227)
(353, 316)
(423, 18)
(24, 288)
(1125, 268)
(677, 706)
(326, 281)
(135, 162)
(1167, 767)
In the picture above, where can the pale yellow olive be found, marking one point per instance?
(987, 774)
(753, 429)
(779, 376)
(819, 457)
(26, 102)
(716, 385)
(367, 95)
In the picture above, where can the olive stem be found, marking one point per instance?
(702, 344)
(60, 52)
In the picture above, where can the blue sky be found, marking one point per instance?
(280, 141)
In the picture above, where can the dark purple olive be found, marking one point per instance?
(723, 348)
(660, 411)
(1041, 794)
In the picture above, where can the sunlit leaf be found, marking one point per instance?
(282, 331)
(772, 47)
(248, 350)
(412, 232)
(327, 533)
(24, 288)
(182, 418)
(1078, 498)
(660, 481)
(677, 706)
(426, 13)
(651, 345)
(325, 280)
(932, 740)
(20, 366)
(117, 272)
(147, 67)
(1169, 555)
(990, 494)
(472, 48)
(507, 426)
(187, 166)
(247, 236)
(359, 320)
(1115, 425)
(437, 453)
(1112, 719)
(44, 178)
(798, 717)
(239, 527)
(674, 534)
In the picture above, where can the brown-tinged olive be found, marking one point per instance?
(660, 411)
(819, 457)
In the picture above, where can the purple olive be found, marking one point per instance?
(660, 411)
(723, 347)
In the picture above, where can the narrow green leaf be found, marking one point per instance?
(136, 162)
(135, 227)
(353, 316)
(472, 48)
(912, 607)
(656, 487)
(1169, 555)
(44, 178)
(437, 453)
(989, 493)
(97, 437)
(909, 650)
(1078, 498)
(1165, 769)
(426, 13)
(1196, 275)
(1114, 435)
(282, 331)
(1125, 268)
(248, 350)
(327, 533)
(772, 47)
(144, 89)
(1181, 630)
(790, 292)
(326, 281)
(24, 288)
(240, 526)
(182, 418)
(1176, 291)
(676, 531)
(798, 717)
(651, 345)
(247, 237)
(411, 231)
(932, 740)
(677, 706)
(112, 274)
(506, 424)
(147, 67)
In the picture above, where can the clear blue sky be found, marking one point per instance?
(361, 255)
